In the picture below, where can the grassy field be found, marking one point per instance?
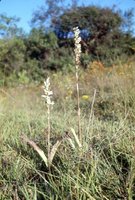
(102, 169)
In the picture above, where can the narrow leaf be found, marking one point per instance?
(71, 143)
(76, 138)
(53, 151)
(35, 147)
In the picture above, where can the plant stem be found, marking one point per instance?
(78, 103)
(49, 129)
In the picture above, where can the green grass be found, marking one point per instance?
(103, 169)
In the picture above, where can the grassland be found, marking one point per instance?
(104, 169)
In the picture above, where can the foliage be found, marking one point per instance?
(12, 55)
(39, 44)
(104, 31)
(48, 13)
(43, 47)
(106, 36)
(8, 26)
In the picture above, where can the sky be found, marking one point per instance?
(25, 8)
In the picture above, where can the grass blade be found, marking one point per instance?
(76, 138)
(53, 151)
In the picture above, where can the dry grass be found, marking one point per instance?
(104, 169)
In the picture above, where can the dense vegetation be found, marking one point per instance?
(106, 36)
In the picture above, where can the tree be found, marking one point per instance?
(103, 30)
(96, 21)
(12, 48)
(46, 15)
(8, 27)
(11, 55)
(39, 43)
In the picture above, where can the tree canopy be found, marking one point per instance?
(101, 28)
(8, 26)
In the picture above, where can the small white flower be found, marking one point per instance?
(47, 92)
(77, 49)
